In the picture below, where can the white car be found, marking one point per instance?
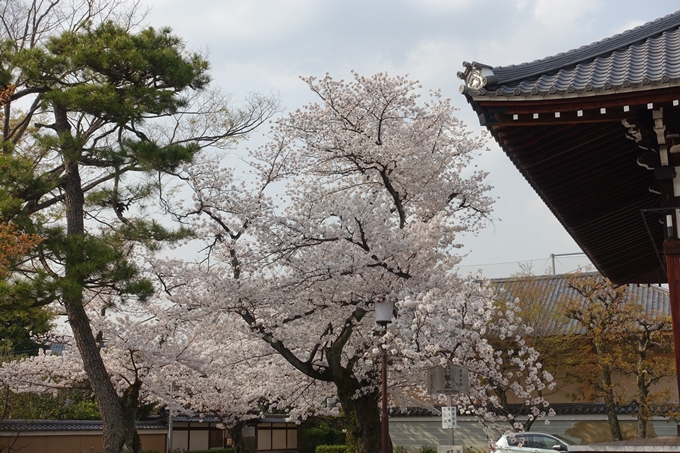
(530, 443)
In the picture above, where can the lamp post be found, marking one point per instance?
(169, 443)
(383, 316)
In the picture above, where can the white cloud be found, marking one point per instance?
(560, 15)
(233, 19)
(444, 5)
(629, 25)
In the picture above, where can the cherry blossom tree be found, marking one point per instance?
(356, 199)
(167, 355)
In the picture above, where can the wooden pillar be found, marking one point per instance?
(671, 249)
(670, 196)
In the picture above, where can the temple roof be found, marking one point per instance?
(580, 126)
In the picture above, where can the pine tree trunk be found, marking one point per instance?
(110, 407)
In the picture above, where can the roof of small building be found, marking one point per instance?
(206, 418)
(69, 425)
(553, 289)
(159, 422)
(617, 63)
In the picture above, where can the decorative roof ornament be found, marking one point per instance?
(476, 76)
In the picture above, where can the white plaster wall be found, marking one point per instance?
(199, 440)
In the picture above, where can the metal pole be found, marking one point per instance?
(552, 257)
(448, 397)
(170, 421)
(385, 427)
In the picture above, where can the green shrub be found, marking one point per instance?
(323, 435)
(331, 449)
(427, 449)
(320, 431)
(400, 449)
(215, 450)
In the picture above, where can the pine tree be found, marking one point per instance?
(97, 117)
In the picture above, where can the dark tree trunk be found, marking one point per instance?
(610, 406)
(641, 428)
(130, 402)
(362, 414)
(236, 434)
(110, 407)
(612, 417)
(643, 411)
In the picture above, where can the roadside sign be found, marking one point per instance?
(448, 380)
(449, 419)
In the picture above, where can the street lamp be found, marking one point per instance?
(383, 316)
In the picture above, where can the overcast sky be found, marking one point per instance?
(265, 45)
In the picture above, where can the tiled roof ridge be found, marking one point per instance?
(605, 46)
(512, 279)
(538, 277)
(67, 425)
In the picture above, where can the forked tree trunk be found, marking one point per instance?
(236, 434)
(363, 416)
(130, 403)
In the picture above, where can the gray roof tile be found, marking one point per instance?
(648, 55)
(68, 425)
(553, 288)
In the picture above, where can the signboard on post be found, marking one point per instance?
(456, 379)
(435, 380)
(448, 380)
(449, 419)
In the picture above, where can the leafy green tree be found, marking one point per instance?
(648, 356)
(600, 309)
(21, 323)
(626, 340)
(76, 403)
(98, 117)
